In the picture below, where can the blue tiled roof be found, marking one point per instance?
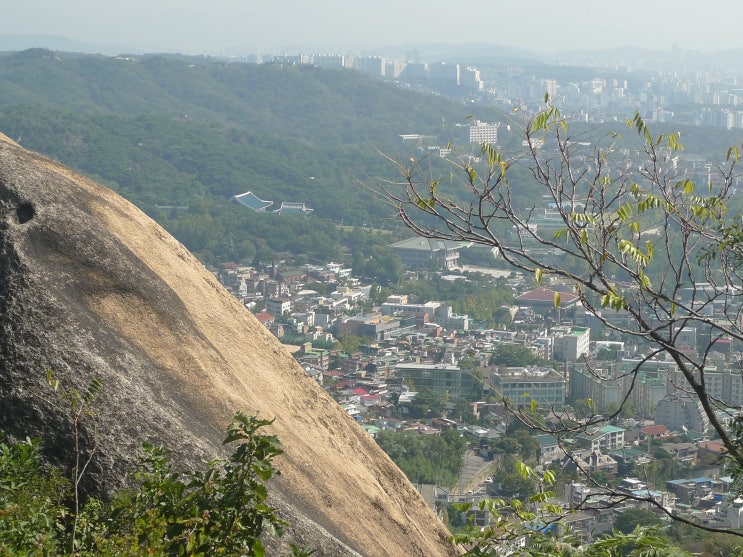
(252, 201)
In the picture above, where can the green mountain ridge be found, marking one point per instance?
(179, 136)
(170, 131)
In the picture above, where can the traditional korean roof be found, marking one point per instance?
(291, 208)
(252, 201)
(427, 244)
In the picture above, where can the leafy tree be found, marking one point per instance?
(631, 518)
(647, 250)
(508, 445)
(584, 407)
(32, 499)
(425, 458)
(426, 404)
(514, 355)
(221, 510)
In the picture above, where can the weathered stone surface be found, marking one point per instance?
(89, 285)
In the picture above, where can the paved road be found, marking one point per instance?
(474, 470)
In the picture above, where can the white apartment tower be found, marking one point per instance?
(482, 132)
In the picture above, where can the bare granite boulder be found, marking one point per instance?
(91, 286)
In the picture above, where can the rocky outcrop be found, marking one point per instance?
(90, 286)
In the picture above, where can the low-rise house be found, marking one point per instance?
(628, 485)
(594, 462)
(549, 449)
(607, 438)
(390, 424)
(654, 498)
(683, 452)
(630, 456)
(264, 318)
(714, 448)
(653, 432)
(689, 491)
(371, 400)
(371, 430)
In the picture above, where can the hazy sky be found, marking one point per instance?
(275, 26)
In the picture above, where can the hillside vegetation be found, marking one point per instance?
(180, 136)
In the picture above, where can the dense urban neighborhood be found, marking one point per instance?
(682, 86)
(413, 365)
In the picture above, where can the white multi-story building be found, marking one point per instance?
(605, 439)
(278, 306)
(482, 132)
(571, 343)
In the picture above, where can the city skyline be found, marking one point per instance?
(198, 27)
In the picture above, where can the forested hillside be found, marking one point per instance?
(179, 136)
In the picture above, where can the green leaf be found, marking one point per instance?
(687, 186)
(92, 391)
(733, 153)
(52, 380)
(557, 300)
(539, 122)
(425, 203)
(549, 477)
(538, 275)
(523, 470)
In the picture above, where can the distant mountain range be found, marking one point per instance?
(467, 53)
(14, 42)
(476, 54)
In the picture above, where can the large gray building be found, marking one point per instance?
(520, 385)
(419, 253)
(440, 379)
(678, 411)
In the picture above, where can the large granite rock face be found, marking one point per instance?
(90, 286)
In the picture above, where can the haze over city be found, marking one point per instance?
(200, 27)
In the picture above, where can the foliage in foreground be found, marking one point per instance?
(624, 229)
(533, 528)
(221, 510)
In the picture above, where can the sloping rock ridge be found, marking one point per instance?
(91, 286)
